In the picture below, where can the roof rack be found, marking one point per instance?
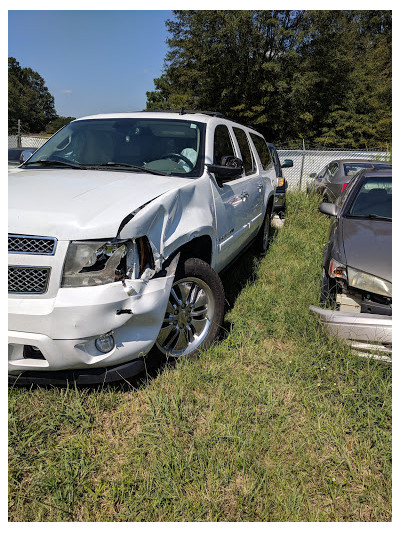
(183, 111)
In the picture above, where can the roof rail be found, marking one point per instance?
(183, 111)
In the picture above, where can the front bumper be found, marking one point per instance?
(64, 328)
(364, 331)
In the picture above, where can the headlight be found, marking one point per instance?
(337, 270)
(91, 263)
(367, 282)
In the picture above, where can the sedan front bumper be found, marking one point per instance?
(373, 332)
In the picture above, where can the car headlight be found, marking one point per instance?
(91, 263)
(337, 270)
(367, 282)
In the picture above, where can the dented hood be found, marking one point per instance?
(79, 204)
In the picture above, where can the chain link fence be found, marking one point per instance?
(26, 141)
(306, 162)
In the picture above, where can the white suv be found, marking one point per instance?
(118, 228)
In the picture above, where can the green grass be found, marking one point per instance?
(276, 422)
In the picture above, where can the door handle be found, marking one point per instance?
(260, 187)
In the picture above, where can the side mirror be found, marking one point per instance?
(329, 209)
(232, 168)
(287, 163)
(313, 175)
(25, 155)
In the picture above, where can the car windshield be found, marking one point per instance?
(172, 147)
(373, 199)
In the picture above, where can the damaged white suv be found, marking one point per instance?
(118, 228)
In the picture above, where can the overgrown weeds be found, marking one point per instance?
(276, 422)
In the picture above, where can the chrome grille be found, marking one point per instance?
(26, 244)
(28, 280)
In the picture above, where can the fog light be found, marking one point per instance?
(105, 343)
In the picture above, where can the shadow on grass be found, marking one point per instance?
(234, 279)
(239, 274)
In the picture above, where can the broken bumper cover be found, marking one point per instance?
(66, 327)
(363, 331)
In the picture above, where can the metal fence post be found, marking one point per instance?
(302, 164)
(19, 138)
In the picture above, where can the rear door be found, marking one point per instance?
(252, 183)
(230, 200)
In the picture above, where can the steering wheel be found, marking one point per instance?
(173, 155)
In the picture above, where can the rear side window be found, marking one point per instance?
(222, 144)
(247, 156)
(262, 150)
(333, 168)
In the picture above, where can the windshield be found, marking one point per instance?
(374, 198)
(173, 147)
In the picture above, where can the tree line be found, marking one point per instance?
(30, 102)
(324, 76)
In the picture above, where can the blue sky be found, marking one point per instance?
(91, 61)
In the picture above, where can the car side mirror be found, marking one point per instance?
(329, 209)
(25, 155)
(232, 168)
(287, 163)
(313, 175)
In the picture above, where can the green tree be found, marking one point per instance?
(28, 99)
(58, 123)
(231, 61)
(324, 76)
(345, 79)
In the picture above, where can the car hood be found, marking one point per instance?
(368, 246)
(79, 204)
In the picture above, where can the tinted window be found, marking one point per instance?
(333, 168)
(373, 198)
(247, 156)
(275, 159)
(262, 150)
(351, 169)
(222, 144)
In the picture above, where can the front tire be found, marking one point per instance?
(194, 312)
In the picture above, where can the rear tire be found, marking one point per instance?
(195, 310)
(263, 238)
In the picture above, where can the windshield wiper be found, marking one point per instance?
(52, 162)
(133, 167)
(371, 216)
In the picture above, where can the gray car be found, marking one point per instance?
(356, 290)
(335, 176)
(16, 156)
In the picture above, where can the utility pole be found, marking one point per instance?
(19, 139)
(302, 162)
